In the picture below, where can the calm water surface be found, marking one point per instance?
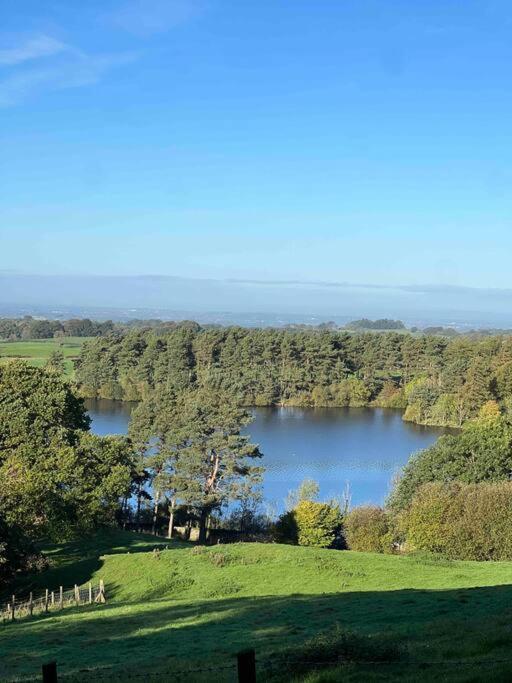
(363, 446)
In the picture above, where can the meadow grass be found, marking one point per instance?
(37, 351)
(183, 608)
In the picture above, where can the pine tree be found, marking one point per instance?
(211, 458)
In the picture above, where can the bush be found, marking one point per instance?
(481, 452)
(310, 524)
(461, 521)
(17, 553)
(367, 529)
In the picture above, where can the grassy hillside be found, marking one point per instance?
(190, 607)
(37, 351)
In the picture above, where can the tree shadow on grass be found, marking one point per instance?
(472, 625)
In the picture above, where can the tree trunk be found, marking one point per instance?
(171, 518)
(155, 512)
(202, 526)
(137, 514)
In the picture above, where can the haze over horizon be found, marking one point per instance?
(156, 295)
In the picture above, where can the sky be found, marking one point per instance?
(352, 141)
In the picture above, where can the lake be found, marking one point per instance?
(365, 447)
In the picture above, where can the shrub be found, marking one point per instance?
(391, 396)
(310, 524)
(367, 529)
(481, 452)
(351, 392)
(461, 521)
(285, 529)
(426, 524)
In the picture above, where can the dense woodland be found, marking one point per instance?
(33, 328)
(434, 380)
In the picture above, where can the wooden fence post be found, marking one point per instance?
(246, 666)
(90, 593)
(50, 672)
(46, 601)
(13, 615)
(61, 597)
(31, 604)
(53, 599)
(101, 596)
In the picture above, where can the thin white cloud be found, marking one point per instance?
(33, 48)
(147, 17)
(72, 69)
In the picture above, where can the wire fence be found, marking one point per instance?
(51, 601)
(245, 666)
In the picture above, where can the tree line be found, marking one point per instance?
(433, 380)
(33, 328)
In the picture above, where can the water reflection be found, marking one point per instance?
(363, 446)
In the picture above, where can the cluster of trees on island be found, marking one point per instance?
(433, 380)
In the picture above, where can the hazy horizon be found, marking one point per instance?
(461, 306)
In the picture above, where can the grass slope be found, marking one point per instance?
(189, 607)
(37, 351)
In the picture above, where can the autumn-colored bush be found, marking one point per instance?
(310, 524)
(367, 529)
(461, 521)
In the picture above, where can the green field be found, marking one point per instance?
(187, 608)
(37, 351)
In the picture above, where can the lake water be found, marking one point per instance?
(365, 447)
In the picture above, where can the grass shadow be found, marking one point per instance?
(471, 626)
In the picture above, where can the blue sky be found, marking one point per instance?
(340, 140)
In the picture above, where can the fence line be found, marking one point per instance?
(246, 663)
(52, 601)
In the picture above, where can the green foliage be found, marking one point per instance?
(198, 454)
(285, 529)
(351, 392)
(37, 409)
(461, 521)
(57, 478)
(435, 380)
(482, 451)
(310, 524)
(55, 362)
(307, 490)
(17, 553)
(30, 328)
(391, 396)
(367, 529)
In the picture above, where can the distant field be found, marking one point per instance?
(37, 351)
(187, 608)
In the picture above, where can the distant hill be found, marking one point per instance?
(380, 324)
